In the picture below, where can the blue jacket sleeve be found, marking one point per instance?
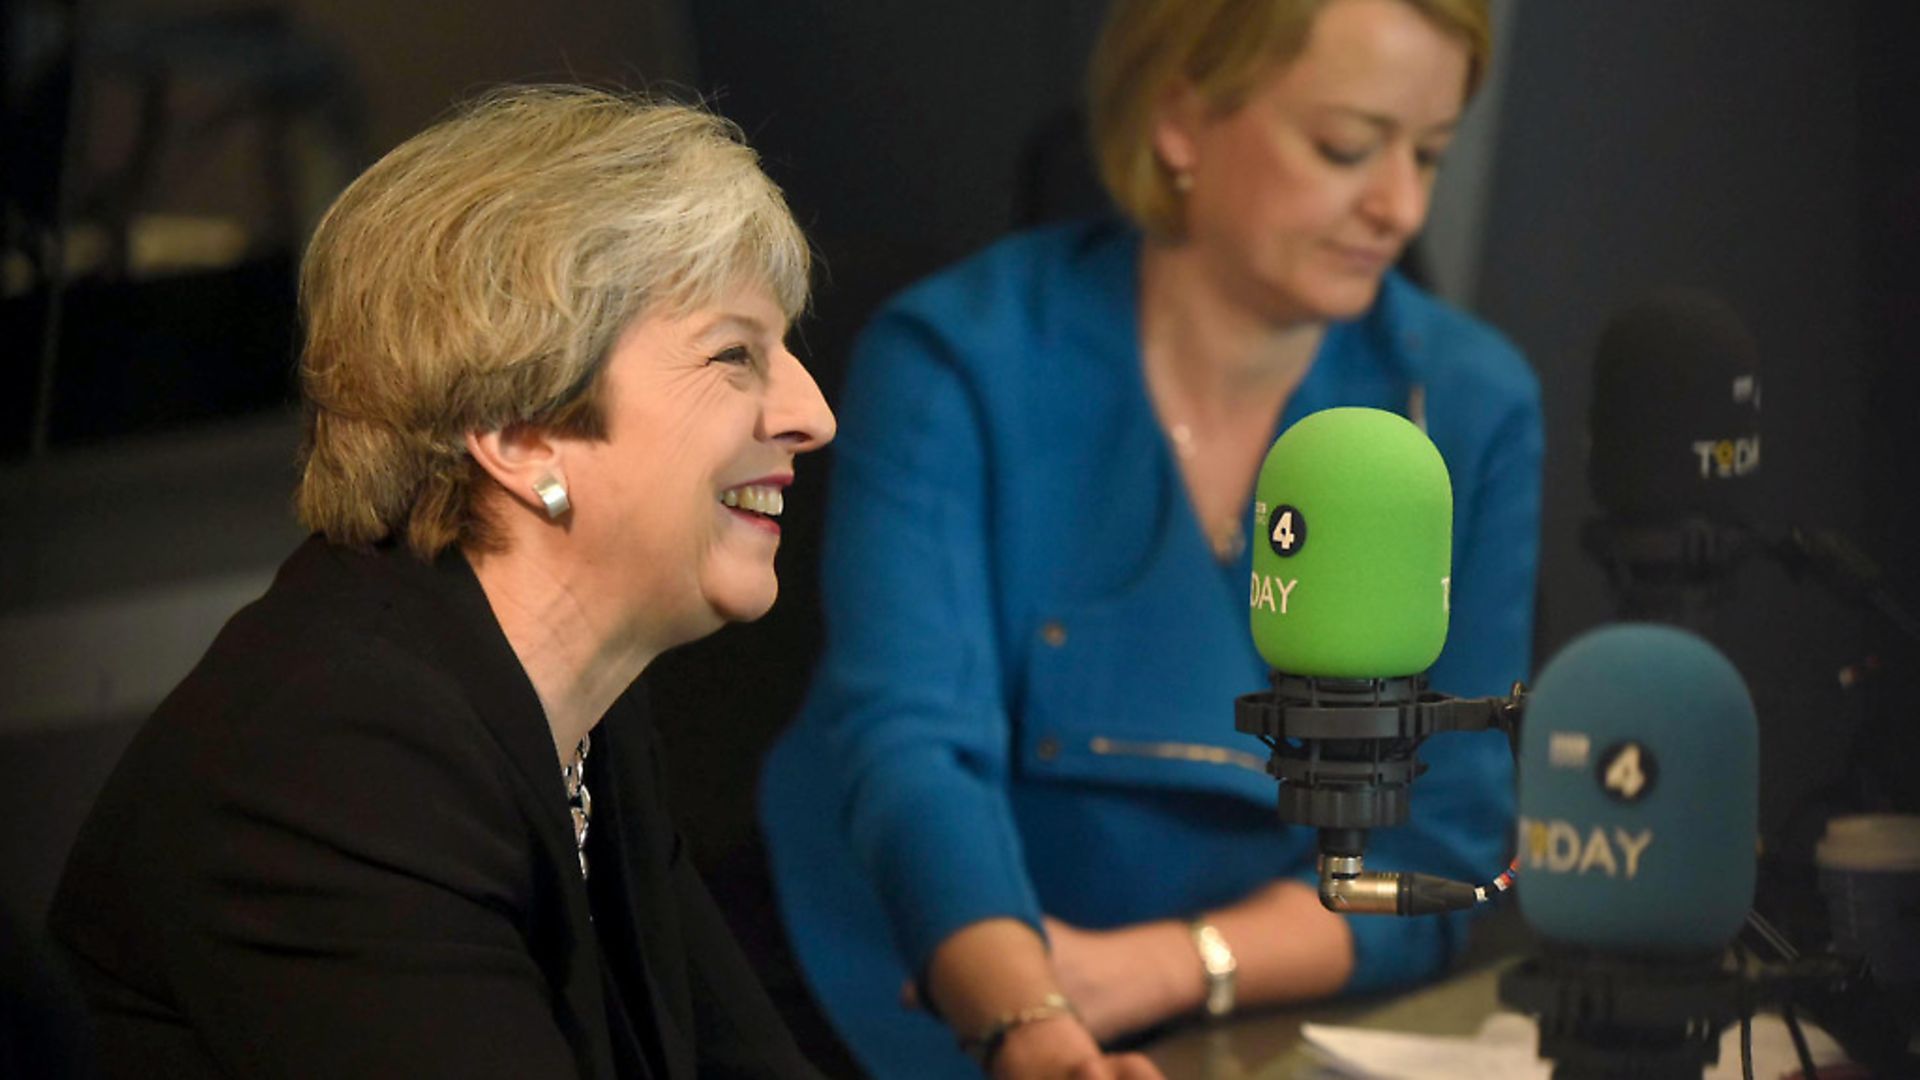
(1463, 806)
(908, 695)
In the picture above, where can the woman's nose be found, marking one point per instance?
(796, 412)
(1397, 199)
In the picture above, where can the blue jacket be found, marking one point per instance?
(1026, 700)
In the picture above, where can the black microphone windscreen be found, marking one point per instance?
(1675, 417)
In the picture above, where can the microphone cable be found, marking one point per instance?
(1483, 894)
(1799, 1038)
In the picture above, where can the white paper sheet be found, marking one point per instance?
(1507, 1044)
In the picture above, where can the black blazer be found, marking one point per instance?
(341, 848)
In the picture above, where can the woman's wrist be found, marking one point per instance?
(984, 1045)
(1050, 1047)
(1183, 977)
(986, 971)
(1161, 978)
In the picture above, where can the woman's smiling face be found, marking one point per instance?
(676, 511)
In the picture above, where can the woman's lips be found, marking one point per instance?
(1365, 260)
(758, 502)
(758, 521)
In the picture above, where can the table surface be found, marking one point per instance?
(1267, 1045)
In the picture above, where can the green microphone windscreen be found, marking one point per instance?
(1353, 548)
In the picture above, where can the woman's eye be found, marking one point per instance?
(736, 354)
(1430, 158)
(1341, 155)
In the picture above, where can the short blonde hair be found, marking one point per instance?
(478, 276)
(1220, 48)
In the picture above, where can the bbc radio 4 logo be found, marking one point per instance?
(1724, 459)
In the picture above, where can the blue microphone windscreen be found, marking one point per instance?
(1639, 794)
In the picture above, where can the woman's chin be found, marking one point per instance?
(744, 601)
(1319, 297)
(1346, 297)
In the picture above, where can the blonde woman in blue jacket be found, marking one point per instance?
(1016, 783)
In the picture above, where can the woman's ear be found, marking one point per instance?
(1176, 127)
(527, 463)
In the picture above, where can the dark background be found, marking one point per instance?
(1765, 150)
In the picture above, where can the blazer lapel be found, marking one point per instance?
(631, 856)
(561, 928)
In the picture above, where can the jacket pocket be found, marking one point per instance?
(1138, 689)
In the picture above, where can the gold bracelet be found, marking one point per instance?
(983, 1047)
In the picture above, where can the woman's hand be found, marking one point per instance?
(1060, 1048)
(998, 967)
(1127, 979)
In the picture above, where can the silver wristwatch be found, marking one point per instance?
(1217, 958)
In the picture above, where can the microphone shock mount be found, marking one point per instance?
(1345, 754)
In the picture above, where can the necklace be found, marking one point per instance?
(1182, 437)
(579, 801)
(1228, 537)
(1228, 540)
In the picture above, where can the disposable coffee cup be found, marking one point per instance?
(1870, 875)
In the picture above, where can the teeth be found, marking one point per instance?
(759, 498)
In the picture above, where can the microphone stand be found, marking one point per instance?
(1845, 571)
(1610, 1015)
(1678, 569)
(1873, 1022)
(1674, 570)
(1604, 1014)
(1344, 752)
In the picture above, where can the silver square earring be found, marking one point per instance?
(553, 494)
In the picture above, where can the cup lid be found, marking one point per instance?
(1882, 842)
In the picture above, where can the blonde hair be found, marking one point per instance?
(1220, 48)
(478, 275)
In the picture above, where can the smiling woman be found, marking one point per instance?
(550, 419)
